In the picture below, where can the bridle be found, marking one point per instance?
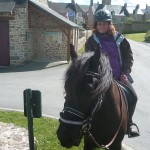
(86, 121)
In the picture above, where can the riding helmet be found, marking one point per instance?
(102, 15)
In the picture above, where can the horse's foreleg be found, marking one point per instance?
(116, 146)
(88, 145)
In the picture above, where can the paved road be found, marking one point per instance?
(50, 83)
(141, 73)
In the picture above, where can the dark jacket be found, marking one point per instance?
(125, 50)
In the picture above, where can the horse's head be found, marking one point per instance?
(81, 85)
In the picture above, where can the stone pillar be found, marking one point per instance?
(91, 16)
(91, 3)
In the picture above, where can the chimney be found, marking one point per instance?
(146, 6)
(72, 1)
(91, 3)
(91, 16)
(106, 2)
(125, 5)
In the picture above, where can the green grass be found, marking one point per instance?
(139, 37)
(82, 49)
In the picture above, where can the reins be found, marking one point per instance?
(86, 130)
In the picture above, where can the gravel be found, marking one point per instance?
(13, 137)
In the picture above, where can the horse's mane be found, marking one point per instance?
(79, 68)
(105, 73)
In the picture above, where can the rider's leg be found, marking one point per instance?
(131, 107)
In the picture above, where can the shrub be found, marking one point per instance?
(128, 20)
(147, 36)
(148, 20)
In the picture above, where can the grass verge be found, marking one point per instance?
(139, 37)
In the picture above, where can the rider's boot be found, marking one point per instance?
(132, 132)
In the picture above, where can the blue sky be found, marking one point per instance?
(142, 3)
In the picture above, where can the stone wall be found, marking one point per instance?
(41, 28)
(17, 37)
(134, 27)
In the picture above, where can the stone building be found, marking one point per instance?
(29, 30)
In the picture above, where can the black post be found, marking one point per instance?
(28, 97)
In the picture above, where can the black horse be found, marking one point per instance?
(94, 104)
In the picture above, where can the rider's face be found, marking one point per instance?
(102, 27)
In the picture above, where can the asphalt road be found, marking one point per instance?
(141, 75)
(50, 82)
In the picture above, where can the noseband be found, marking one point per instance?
(80, 115)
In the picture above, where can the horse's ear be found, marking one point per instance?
(97, 54)
(73, 53)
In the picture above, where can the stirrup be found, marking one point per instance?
(132, 132)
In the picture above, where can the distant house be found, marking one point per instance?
(117, 17)
(29, 30)
(133, 11)
(65, 10)
(147, 10)
(147, 13)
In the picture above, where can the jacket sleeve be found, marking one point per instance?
(127, 56)
(90, 44)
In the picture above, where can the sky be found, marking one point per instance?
(142, 3)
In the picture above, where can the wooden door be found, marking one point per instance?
(4, 43)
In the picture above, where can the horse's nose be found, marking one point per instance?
(65, 140)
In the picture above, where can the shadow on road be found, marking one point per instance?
(31, 66)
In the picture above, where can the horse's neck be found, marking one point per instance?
(112, 95)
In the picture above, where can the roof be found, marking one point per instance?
(58, 7)
(85, 8)
(7, 6)
(115, 8)
(52, 12)
(130, 9)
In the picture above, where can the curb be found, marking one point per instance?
(124, 146)
(54, 64)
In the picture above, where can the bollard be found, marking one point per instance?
(32, 109)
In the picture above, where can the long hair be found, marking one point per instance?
(111, 29)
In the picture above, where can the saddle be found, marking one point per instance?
(127, 92)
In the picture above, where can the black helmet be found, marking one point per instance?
(102, 15)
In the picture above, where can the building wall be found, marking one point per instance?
(41, 27)
(147, 17)
(17, 37)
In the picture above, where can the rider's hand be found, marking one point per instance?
(123, 78)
